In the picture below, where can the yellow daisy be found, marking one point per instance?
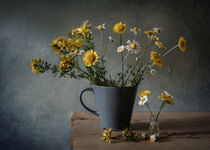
(156, 59)
(182, 44)
(90, 58)
(35, 65)
(165, 96)
(119, 28)
(144, 93)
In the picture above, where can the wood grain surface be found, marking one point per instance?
(179, 131)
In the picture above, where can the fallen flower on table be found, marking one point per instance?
(129, 135)
(107, 135)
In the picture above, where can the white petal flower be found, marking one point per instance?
(153, 138)
(153, 71)
(133, 47)
(135, 30)
(78, 52)
(111, 39)
(157, 29)
(86, 22)
(143, 135)
(168, 94)
(143, 100)
(120, 48)
(100, 27)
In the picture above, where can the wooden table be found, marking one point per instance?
(179, 131)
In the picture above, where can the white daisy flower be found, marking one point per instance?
(153, 138)
(153, 71)
(78, 52)
(143, 135)
(120, 48)
(133, 47)
(168, 94)
(111, 39)
(135, 30)
(101, 27)
(87, 23)
(157, 29)
(143, 100)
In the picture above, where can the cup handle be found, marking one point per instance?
(81, 101)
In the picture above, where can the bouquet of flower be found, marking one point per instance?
(79, 59)
(166, 98)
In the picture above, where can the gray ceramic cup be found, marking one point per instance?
(115, 105)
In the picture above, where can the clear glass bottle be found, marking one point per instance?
(154, 127)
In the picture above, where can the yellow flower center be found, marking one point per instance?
(91, 58)
(142, 99)
(135, 29)
(182, 44)
(133, 46)
(100, 27)
(121, 49)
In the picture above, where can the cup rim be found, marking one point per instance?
(114, 87)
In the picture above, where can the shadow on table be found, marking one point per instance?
(196, 127)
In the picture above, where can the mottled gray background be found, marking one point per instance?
(35, 109)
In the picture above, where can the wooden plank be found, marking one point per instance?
(176, 128)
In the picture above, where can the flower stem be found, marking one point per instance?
(149, 108)
(170, 50)
(122, 58)
(101, 46)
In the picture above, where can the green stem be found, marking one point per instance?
(149, 108)
(122, 58)
(155, 120)
(101, 46)
(170, 50)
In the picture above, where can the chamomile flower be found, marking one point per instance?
(133, 47)
(153, 71)
(87, 23)
(157, 29)
(135, 30)
(111, 39)
(153, 138)
(143, 100)
(101, 27)
(78, 52)
(120, 48)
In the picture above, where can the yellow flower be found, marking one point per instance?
(65, 62)
(119, 28)
(166, 96)
(35, 65)
(107, 135)
(182, 44)
(129, 135)
(84, 30)
(150, 32)
(144, 93)
(59, 44)
(156, 59)
(90, 58)
(154, 37)
(160, 44)
(78, 43)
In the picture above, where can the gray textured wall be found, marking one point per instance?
(35, 110)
